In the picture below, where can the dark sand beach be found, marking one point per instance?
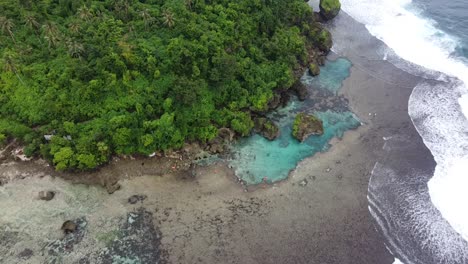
(319, 215)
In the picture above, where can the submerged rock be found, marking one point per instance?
(266, 128)
(305, 126)
(329, 8)
(46, 195)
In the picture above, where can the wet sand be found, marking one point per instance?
(319, 215)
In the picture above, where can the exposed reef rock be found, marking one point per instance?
(306, 125)
(46, 195)
(329, 8)
(219, 144)
(266, 128)
(275, 102)
(314, 69)
(74, 231)
(137, 241)
(301, 90)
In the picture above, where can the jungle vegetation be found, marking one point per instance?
(138, 76)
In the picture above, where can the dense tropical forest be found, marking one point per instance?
(82, 80)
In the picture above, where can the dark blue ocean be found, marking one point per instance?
(419, 201)
(451, 17)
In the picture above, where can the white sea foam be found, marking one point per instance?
(444, 128)
(397, 261)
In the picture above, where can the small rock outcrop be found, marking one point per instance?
(46, 195)
(136, 198)
(314, 69)
(305, 126)
(266, 128)
(301, 90)
(329, 8)
(275, 102)
(69, 227)
(219, 144)
(112, 188)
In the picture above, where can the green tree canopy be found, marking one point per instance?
(128, 76)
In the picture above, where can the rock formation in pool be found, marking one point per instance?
(305, 126)
(266, 128)
(329, 8)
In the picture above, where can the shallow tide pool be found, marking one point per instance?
(256, 159)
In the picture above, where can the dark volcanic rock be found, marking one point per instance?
(301, 90)
(329, 8)
(46, 195)
(112, 188)
(266, 128)
(136, 198)
(306, 125)
(226, 134)
(74, 233)
(285, 96)
(69, 227)
(275, 102)
(314, 69)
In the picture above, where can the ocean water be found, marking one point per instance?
(433, 36)
(256, 159)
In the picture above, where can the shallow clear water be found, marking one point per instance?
(256, 159)
(331, 76)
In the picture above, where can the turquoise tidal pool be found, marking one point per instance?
(256, 159)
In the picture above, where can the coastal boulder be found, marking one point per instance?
(46, 195)
(69, 227)
(305, 126)
(314, 69)
(266, 128)
(275, 102)
(226, 134)
(321, 38)
(329, 8)
(301, 90)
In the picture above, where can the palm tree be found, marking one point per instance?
(147, 18)
(122, 6)
(75, 49)
(189, 3)
(51, 34)
(169, 19)
(31, 22)
(84, 13)
(9, 65)
(74, 27)
(7, 25)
